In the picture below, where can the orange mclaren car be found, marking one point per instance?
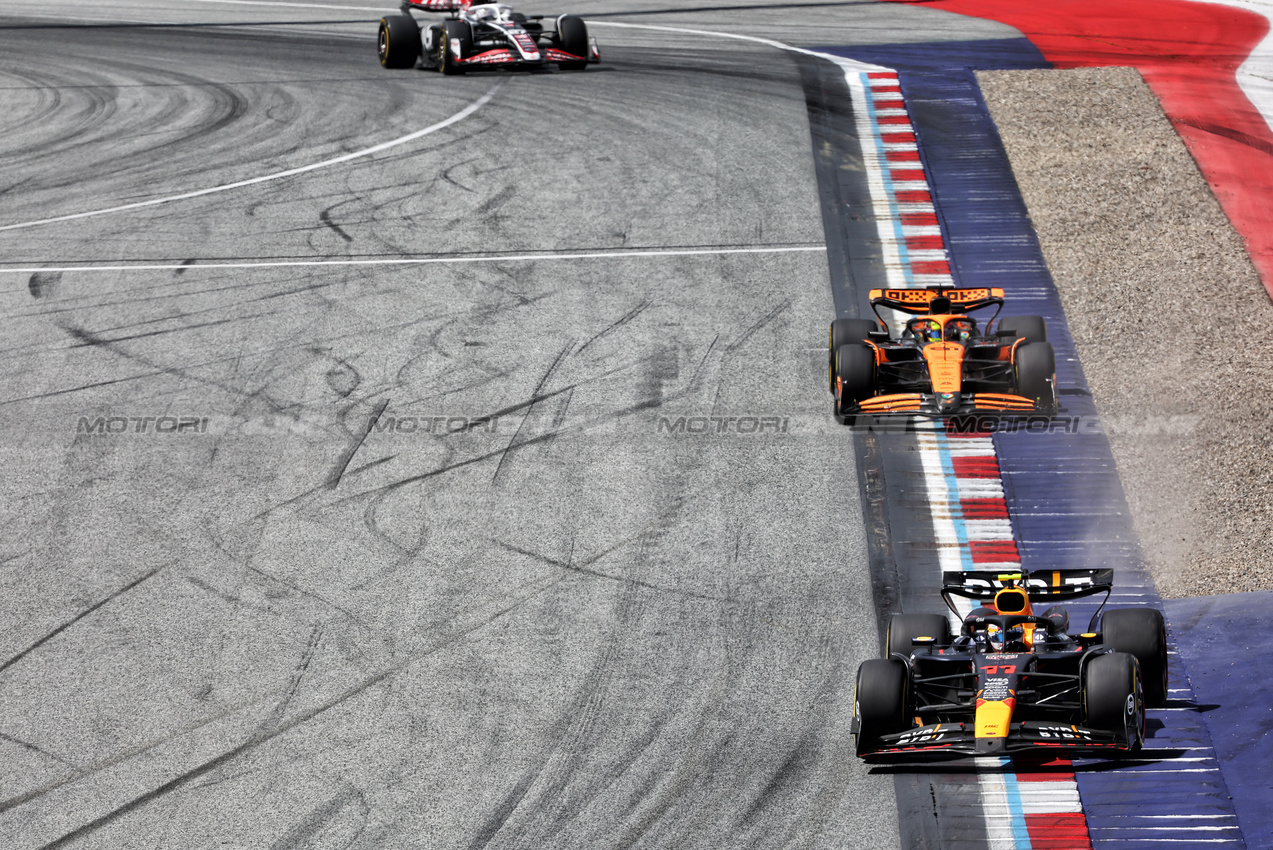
(944, 362)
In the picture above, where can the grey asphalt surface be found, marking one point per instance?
(431, 562)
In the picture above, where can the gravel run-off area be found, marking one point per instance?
(1173, 326)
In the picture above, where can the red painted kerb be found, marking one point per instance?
(1188, 53)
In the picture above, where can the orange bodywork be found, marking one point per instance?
(1003, 401)
(993, 717)
(892, 403)
(945, 366)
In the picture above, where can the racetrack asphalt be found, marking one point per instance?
(432, 559)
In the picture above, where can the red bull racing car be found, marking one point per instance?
(1012, 680)
(482, 35)
(943, 362)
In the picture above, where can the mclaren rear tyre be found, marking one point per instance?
(1113, 697)
(1141, 632)
(1035, 366)
(855, 375)
(879, 700)
(457, 36)
(399, 42)
(904, 628)
(843, 332)
(572, 37)
(1029, 328)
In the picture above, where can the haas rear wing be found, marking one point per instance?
(435, 5)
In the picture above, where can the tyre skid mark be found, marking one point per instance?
(306, 833)
(342, 463)
(537, 394)
(582, 570)
(81, 615)
(278, 175)
(27, 745)
(617, 323)
(458, 633)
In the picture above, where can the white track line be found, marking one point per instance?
(1255, 75)
(421, 261)
(309, 7)
(847, 64)
(278, 175)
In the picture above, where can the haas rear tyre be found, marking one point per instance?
(399, 41)
(843, 332)
(456, 36)
(904, 628)
(1029, 328)
(1141, 632)
(1113, 699)
(855, 374)
(1035, 365)
(880, 700)
(572, 37)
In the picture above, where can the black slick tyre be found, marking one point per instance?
(398, 44)
(904, 628)
(1113, 698)
(1141, 632)
(454, 33)
(1029, 328)
(879, 700)
(572, 37)
(1035, 366)
(855, 374)
(843, 332)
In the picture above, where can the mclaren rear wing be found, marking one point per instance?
(920, 301)
(937, 301)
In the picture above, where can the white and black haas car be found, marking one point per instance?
(483, 35)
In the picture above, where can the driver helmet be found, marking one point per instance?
(994, 635)
(928, 330)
